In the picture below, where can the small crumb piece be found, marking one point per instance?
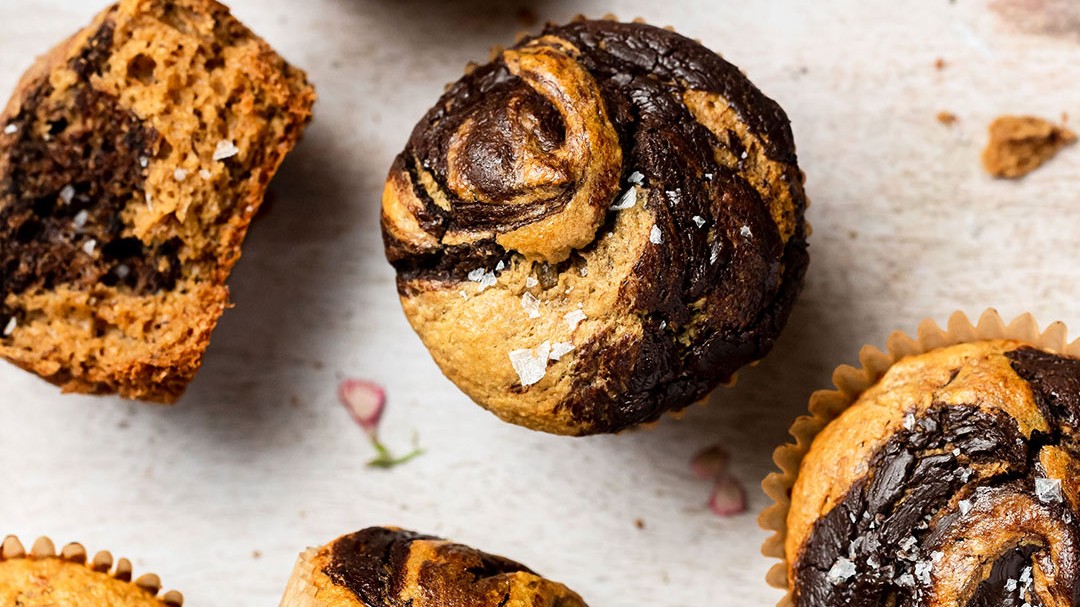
(575, 318)
(205, 174)
(947, 118)
(561, 349)
(180, 174)
(255, 554)
(699, 221)
(626, 201)
(67, 194)
(531, 282)
(80, 219)
(12, 324)
(656, 236)
(531, 305)
(11, 129)
(531, 365)
(89, 246)
(939, 64)
(640, 524)
(225, 150)
(1020, 144)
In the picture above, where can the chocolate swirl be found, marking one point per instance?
(612, 170)
(969, 496)
(385, 567)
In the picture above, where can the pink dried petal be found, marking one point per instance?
(710, 463)
(728, 497)
(365, 401)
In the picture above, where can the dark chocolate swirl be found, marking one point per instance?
(971, 501)
(385, 567)
(615, 168)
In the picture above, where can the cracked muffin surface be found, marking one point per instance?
(599, 226)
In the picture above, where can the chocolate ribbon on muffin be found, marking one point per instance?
(389, 567)
(954, 480)
(598, 226)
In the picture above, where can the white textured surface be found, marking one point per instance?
(260, 457)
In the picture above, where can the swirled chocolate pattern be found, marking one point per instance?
(953, 481)
(386, 567)
(598, 226)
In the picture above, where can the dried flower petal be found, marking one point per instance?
(710, 463)
(365, 401)
(728, 497)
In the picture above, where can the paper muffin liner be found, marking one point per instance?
(102, 562)
(851, 382)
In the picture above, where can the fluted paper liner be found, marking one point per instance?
(102, 563)
(851, 382)
(301, 589)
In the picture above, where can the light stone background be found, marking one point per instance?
(219, 493)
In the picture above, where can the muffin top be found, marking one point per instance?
(387, 567)
(952, 481)
(598, 226)
(43, 578)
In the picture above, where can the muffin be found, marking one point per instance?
(132, 159)
(388, 566)
(951, 476)
(598, 226)
(43, 578)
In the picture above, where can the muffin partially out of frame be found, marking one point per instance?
(383, 567)
(132, 159)
(598, 226)
(44, 578)
(953, 479)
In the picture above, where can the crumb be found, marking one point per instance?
(947, 118)
(939, 64)
(255, 554)
(640, 524)
(1020, 144)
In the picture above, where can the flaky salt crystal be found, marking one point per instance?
(205, 174)
(531, 365)
(531, 305)
(708, 176)
(575, 318)
(841, 570)
(745, 231)
(909, 421)
(122, 271)
(699, 221)
(561, 349)
(80, 219)
(180, 174)
(584, 271)
(67, 194)
(656, 236)
(531, 282)
(714, 254)
(11, 129)
(11, 326)
(484, 278)
(224, 150)
(1048, 490)
(626, 201)
(499, 267)
(89, 246)
(636, 178)
(144, 161)
(965, 506)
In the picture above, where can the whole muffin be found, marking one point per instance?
(598, 226)
(383, 566)
(43, 578)
(953, 480)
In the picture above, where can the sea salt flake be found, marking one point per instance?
(144, 161)
(708, 176)
(12, 324)
(714, 254)
(575, 318)
(89, 246)
(841, 570)
(205, 174)
(965, 506)
(67, 194)
(484, 278)
(745, 231)
(531, 305)
(224, 150)
(744, 155)
(149, 201)
(699, 221)
(499, 267)
(907, 580)
(1011, 585)
(936, 556)
(1048, 490)
(956, 452)
(531, 365)
(531, 282)
(584, 271)
(560, 349)
(656, 236)
(636, 178)
(122, 271)
(80, 219)
(464, 295)
(922, 571)
(180, 174)
(626, 201)
(909, 422)
(11, 129)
